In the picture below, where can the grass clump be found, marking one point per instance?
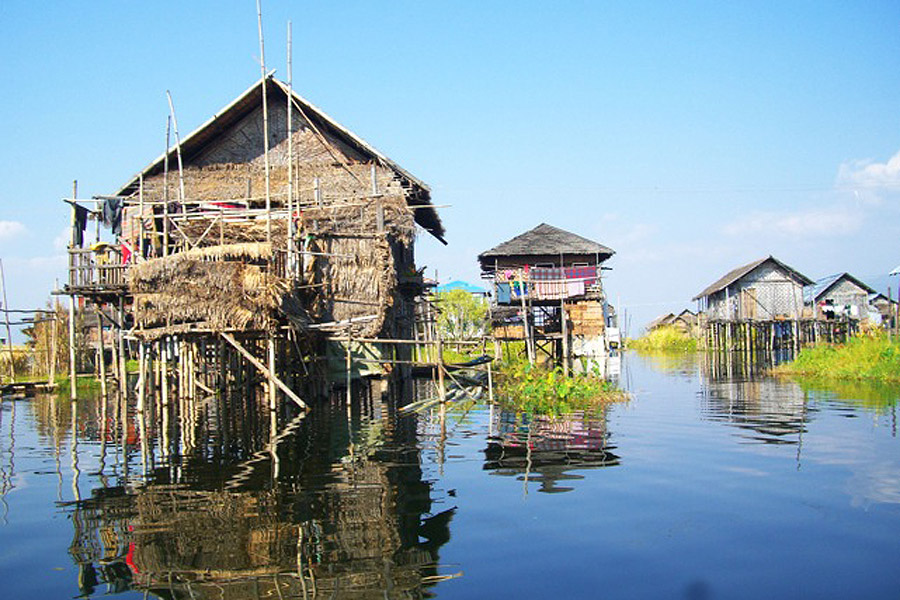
(871, 356)
(547, 390)
(664, 339)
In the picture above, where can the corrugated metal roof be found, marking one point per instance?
(460, 285)
(812, 293)
(547, 240)
(741, 271)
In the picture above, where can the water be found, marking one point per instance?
(710, 483)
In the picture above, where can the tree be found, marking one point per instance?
(461, 315)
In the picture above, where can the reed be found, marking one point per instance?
(869, 356)
(664, 339)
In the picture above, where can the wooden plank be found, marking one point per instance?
(262, 369)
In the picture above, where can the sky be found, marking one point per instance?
(689, 137)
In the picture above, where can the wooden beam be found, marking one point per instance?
(262, 369)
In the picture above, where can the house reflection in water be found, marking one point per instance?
(548, 450)
(327, 510)
(765, 409)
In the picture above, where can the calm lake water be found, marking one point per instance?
(710, 483)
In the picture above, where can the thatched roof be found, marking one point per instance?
(194, 144)
(741, 271)
(547, 240)
(821, 287)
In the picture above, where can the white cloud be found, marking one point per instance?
(869, 179)
(826, 221)
(10, 230)
(61, 241)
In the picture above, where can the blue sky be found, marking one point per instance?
(691, 138)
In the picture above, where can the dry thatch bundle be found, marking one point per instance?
(353, 270)
(223, 287)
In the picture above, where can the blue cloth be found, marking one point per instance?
(503, 293)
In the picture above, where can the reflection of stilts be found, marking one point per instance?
(76, 472)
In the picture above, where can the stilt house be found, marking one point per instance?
(269, 217)
(839, 295)
(763, 290)
(542, 275)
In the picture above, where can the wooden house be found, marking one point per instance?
(885, 308)
(540, 276)
(685, 321)
(270, 217)
(763, 290)
(838, 296)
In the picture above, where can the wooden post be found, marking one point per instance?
(273, 393)
(349, 367)
(54, 331)
(102, 352)
(142, 382)
(121, 342)
(565, 336)
(262, 368)
(72, 374)
(12, 356)
(442, 393)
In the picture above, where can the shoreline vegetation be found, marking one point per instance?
(865, 357)
(664, 339)
(544, 389)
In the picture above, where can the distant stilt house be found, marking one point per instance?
(271, 227)
(759, 304)
(685, 321)
(547, 290)
(839, 296)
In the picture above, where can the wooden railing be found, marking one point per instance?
(95, 271)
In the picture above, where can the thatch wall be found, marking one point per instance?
(357, 276)
(222, 287)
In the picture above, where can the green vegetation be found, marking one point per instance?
(664, 339)
(545, 390)
(871, 356)
(461, 316)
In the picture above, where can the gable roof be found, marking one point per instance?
(741, 271)
(812, 293)
(196, 141)
(547, 240)
(660, 321)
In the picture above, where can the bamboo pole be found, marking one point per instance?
(9, 344)
(165, 248)
(123, 374)
(177, 148)
(262, 64)
(262, 369)
(54, 331)
(102, 352)
(292, 267)
(72, 375)
(141, 235)
(273, 393)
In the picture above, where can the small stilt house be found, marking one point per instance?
(763, 290)
(541, 276)
(837, 296)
